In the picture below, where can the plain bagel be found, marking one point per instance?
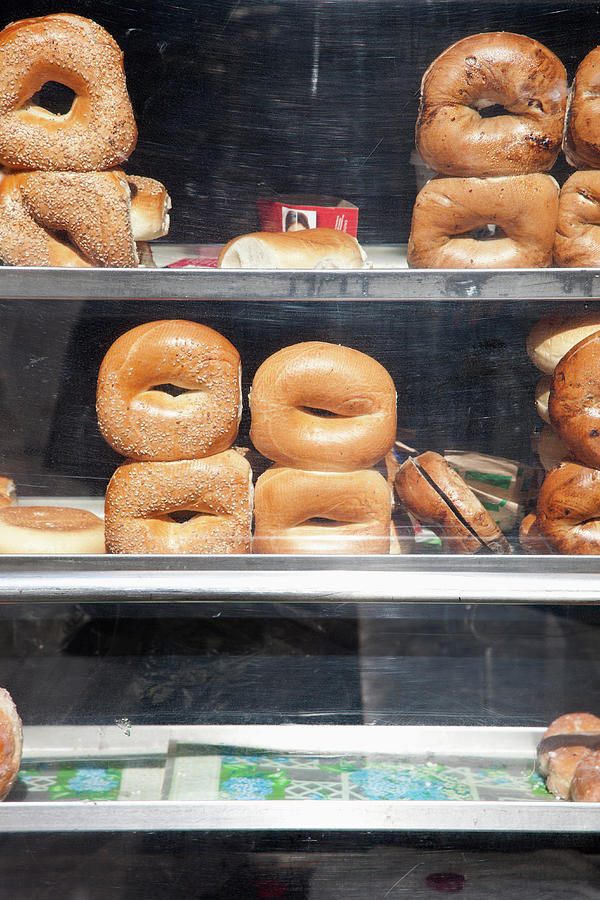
(554, 335)
(321, 512)
(295, 386)
(50, 530)
(314, 248)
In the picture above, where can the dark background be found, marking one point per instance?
(239, 99)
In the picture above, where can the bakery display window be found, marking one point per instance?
(298, 517)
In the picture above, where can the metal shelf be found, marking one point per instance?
(395, 284)
(443, 579)
(197, 754)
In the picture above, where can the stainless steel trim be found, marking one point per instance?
(363, 284)
(444, 579)
(301, 815)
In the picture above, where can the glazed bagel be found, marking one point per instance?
(150, 205)
(11, 742)
(143, 422)
(314, 248)
(581, 143)
(91, 209)
(435, 494)
(50, 529)
(292, 384)
(190, 506)
(574, 403)
(98, 131)
(565, 744)
(542, 395)
(484, 70)
(451, 214)
(554, 335)
(321, 512)
(577, 241)
(568, 509)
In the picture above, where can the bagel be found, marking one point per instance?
(75, 219)
(554, 335)
(187, 506)
(451, 215)
(314, 248)
(150, 205)
(433, 492)
(585, 786)
(577, 240)
(530, 539)
(50, 529)
(142, 421)
(568, 508)
(549, 448)
(564, 745)
(581, 143)
(11, 742)
(574, 403)
(321, 512)
(484, 70)
(542, 395)
(292, 384)
(98, 131)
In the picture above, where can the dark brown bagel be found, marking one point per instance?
(448, 211)
(512, 70)
(577, 241)
(574, 404)
(581, 143)
(568, 509)
(436, 494)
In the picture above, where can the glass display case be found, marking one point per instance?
(293, 726)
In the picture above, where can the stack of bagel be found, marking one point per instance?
(567, 350)
(577, 242)
(169, 400)
(64, 200)
(325, 415)
(491, 182)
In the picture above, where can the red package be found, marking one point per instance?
(297, 211)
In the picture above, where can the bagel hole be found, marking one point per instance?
(55, 98)
(179, 516)
(171, 389)
(323, 523)
(490, 111)
(484, 233)
(322, 413)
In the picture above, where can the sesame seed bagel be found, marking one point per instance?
(99, 130)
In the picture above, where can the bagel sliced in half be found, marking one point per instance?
(433, 492)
